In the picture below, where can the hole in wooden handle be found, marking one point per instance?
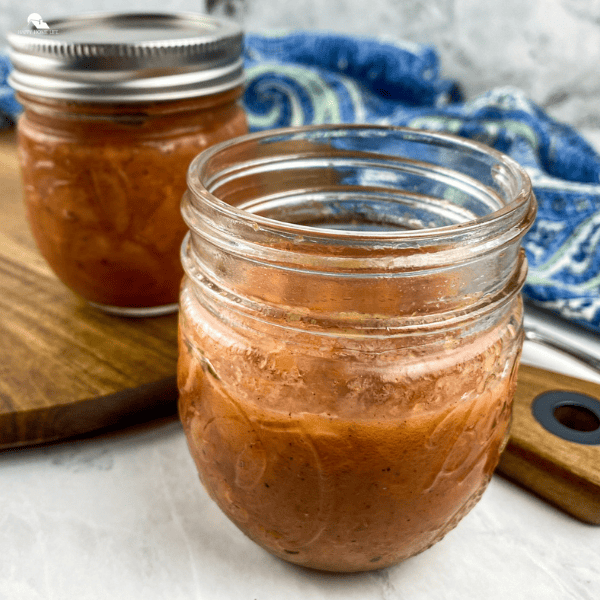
(569, 415)
(576, 417)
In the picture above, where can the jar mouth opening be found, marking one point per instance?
(373, 227)
(363, 185)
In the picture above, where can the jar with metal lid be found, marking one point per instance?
(350, 329)
(115, 109)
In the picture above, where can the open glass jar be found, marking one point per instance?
(350, 329)
(115, 109)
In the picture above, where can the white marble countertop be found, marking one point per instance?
(124, 516)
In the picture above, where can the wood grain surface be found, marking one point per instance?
(565, 473)
(66, 368)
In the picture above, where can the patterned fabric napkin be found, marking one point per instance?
(303, 78)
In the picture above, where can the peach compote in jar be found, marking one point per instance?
(115, 111)
(350, 329)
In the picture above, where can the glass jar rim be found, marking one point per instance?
(465, 270)
(520, 210)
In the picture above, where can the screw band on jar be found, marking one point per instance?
(129, 58)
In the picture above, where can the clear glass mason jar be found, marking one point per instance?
(350, 329)
(115, 109)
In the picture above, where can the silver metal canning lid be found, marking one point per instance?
(128, 57)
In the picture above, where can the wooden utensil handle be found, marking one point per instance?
(565, 472)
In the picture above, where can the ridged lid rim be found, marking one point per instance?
(184, 55)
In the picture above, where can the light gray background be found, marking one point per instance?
(549, 48)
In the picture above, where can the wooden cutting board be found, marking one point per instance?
(68, 369)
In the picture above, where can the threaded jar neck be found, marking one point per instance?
(370, 227)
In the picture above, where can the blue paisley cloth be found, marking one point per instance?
(302, 78)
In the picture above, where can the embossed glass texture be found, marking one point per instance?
(102, 185)
(350, 328)
(115, 108)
